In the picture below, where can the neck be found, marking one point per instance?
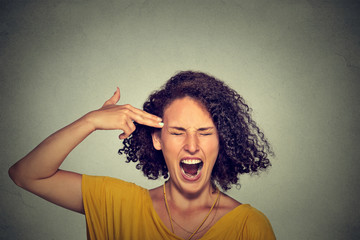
(187, 201)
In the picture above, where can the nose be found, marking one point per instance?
(191, 143)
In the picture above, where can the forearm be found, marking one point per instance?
(44, 161)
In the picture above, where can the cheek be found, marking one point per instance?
(170, 147)
(167, 141)
(211, 146)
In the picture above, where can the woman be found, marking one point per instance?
(196, 132)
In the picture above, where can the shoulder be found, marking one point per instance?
(226, 205)
(102, 184)
(247, 221)
(254, 215)
(105, 180)
(256, 225)
(228, 202)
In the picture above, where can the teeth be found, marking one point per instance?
(191, 161)
(189, 175)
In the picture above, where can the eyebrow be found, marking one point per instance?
(199, 129)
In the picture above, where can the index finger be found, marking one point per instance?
(145, 118)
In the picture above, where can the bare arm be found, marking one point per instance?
(39, 173)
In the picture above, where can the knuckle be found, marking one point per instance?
(122, 121)
(126, 110)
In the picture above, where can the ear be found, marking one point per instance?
(156, 138)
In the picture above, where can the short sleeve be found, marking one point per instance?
(258, 226)
(108, 203)
(94, 205)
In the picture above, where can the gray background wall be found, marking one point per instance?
(296, 62)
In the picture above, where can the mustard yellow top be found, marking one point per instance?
(116, 209)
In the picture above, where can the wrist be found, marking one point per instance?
(88, 121)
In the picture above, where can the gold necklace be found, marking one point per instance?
(197, 229)
(204, 228)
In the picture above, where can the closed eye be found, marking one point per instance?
(176, 134)
(205, 134)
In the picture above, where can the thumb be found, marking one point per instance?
(114, 99)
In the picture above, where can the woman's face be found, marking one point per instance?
(190, 144)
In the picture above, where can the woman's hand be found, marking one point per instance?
(111, 116)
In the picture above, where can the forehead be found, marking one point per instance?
(187, 112)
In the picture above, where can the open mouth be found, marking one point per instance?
(191, 167)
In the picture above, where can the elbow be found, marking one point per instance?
(13, 174)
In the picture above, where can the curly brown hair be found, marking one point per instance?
(243, 147)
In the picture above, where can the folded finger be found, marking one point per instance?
(127, 129)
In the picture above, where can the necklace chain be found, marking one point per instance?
(201, 224)
(204, 228)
